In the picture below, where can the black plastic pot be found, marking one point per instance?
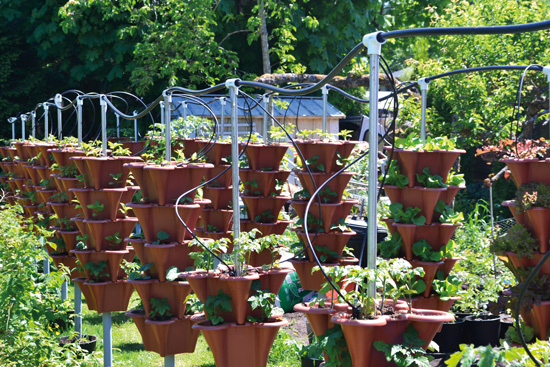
(359, 225)
(87, 343)
(310, 362)
(482, 330)
(505, 323)
(450, 336)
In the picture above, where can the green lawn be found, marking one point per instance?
(128, 348)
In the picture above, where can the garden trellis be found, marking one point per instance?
(373, 44)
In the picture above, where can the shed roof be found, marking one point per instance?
(296, 106)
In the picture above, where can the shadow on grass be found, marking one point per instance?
(130, 347)
(117, 318)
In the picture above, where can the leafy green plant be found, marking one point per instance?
(96, 271)
(401, 280)
(96, 208)
(429, 180)
(455, 179)
(204, 259)
(211, 228)
(423, 250)
(334, 344)
(162, 238)
(389, 248)
(408, 354)
(114, 240)
(136, 271)
(512, 334)
(394, 176)
(307, 134)
(215, 305)
(160, 309)
(518, 240)
(116, 178)
(117, 149)
(345, 134)
(413, 142)
(250, 187)
(448, 215)
(192, 304)
(407, 216)
(533, 194)
(448, 287)
(314, 165)
(265, 301)
(264, 217)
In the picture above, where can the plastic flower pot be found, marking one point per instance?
(482, 329)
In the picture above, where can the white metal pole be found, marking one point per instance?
(324, 89)
(33, 124)
(161, 113)
(23, 121)
(135, 127)
(107, 340)
(46, 121)
(79, 104)
(232, 84)
(78, 310)
(167, 128)
(374, 48)
(423, 91)
(546, 70)
(266, 106)
(64, 291)
(222, 119)
(184, 110)
(117, 125)
(103, 106)
(59, 104)
(170, 361)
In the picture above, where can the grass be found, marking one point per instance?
(128, 347)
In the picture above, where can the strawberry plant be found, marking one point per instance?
(216, 304)
(265, 301)
(160, 309)
(96, 208)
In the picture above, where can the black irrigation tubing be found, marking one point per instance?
(231, 271)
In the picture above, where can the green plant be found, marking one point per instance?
(512, 334)
(307, 134)
(114, 240)
(116, 178)
(216, 304)
(211, 228)
(96, 208)
(278, 134)
(423, 249)
(448, 215)
(334, 344)
(160, 309)
(429, 180)
(401, 280)
(408, 354)
(252, 185)
(135, 270)
(389, 248)
(345, 134)
(192, 304)
(518, 240)
(96, 270)
(448, 287)
(394, 176)
(407, 216)
(454, 179)
(117, 149)
(413, 142)
(533, 194)
(162, 238)
(265, 301)
(204, 259)
(313, 164)
(264, 217)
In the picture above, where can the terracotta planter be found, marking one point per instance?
(112, 271)
(265, 228)
(448, 265)
(449, 195)
(527, 170)
(219, 196)
(101, 169)
(69, 262)
(173, 180)
(308, 280)
(189, 146)
(62, 156)
(216, 236)
(272, 280)
(437, 235)
(240, 345)
(175, 293)
(332, 193)
(520, 217)
(264, 209)
(318, 318)
(46, 158)
(328, 153)
(217, 219)
(266, 157)
(32, 174)
(82, 166)
(165, 256)
(109, 198)
(126, 198)
(65, 211)
(434, 302)
(224, 180)
(527, 262)
(262, 183)
(430, 270)
(44, 173)
(99, 230)
(106, 296)
(238, 288)
(67, 184)
(69, 237)
(419, 197)
(540, 218)
(144, 180)
(264, 257)
(412, 162)
(22, 152)
(539, 319)
(330, 213)
(214, 152)
(333, 241)
(134, 147)
(155, 218)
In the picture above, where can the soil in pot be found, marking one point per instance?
(87, 342)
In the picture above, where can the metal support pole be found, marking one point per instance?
(46, 121)
(264, 130)
(33, 124)
(232, 84)
(46, 265)
(107, 340)
(79, 104)
(161, 113)
(167, 128)
(423, 91)
(325, 102)
(78, 311)
(135, 127)
(64, 291)
(23, 121)
(184, 110)
(12, 120)
(170, 361)
(222, 119)
(59, 103)
(103, 106)
(373, 46)
(546, 70)
(117, 125)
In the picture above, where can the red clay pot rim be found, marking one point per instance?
(306, 173)
(63, 257)
(151, 205)
(67, 232)
(226, 325)
(226, 277)
(121, 189)
(312, 262)
(170, 321)
(300, 307)
(257, 145)
(100, 252)
(344, 319)
(268, 224)
(264, 197)
(421, 188)
(111, 158)
(127, 219)
(219, 210)
(349, 201)
(321, 234)
(218, 188)
(425, 262)
(527, 160)
(174, 167)
(425, 151)
(419, 314)
(396, 224)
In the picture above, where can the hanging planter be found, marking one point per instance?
(266, 229)
(106, 296)
(225, 180)
(266, 157)
(333, 244)
(99, 204)
(69, 262)
(69, 238)
(144, 180)
(324, 156)
(175, 293)
(103, 265)
(319, 318)
(527, 170)
(529, 262)
(416, 197)
(437, 235)
(331, 214)
(264, 209)
(218, 220)
(220, 197)
(308, 280)
(65, 212)
(107, 234)
(434, 302)
(430, 269)
(164, 256)
(332, 192)
(263, 183)
(107, 172)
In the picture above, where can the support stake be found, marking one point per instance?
(232, 84)
(135, 127)
(324, 89)
(264, 130)
(78, 311)
(222, 119)
(117, 125)
(103, 106)
(424, 103)
(23, 121)
(170, 361)
(167, 128)
(64, 291)
(59, 104)
(373, 46)
(546, 70)
(107, 340)
(46, 121)
(79, 104)
(33, 124)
